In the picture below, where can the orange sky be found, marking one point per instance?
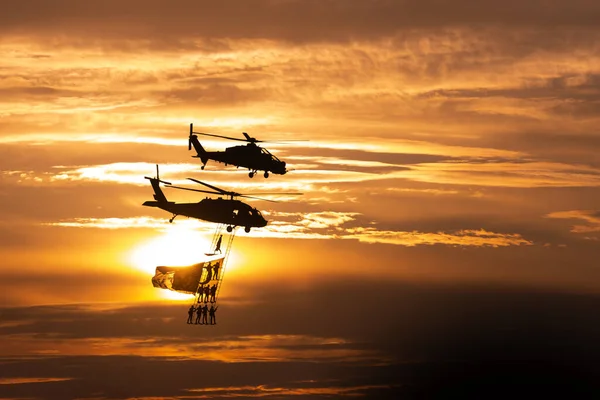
(451, 147)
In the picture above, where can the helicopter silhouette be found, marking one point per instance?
(250, 156)
(224, 211)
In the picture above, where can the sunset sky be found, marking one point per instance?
(451, 210)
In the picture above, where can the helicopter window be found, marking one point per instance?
(267, 152)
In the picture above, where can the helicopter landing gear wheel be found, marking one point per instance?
(266, 174)
(251, 174)
(171, 219)
(247, 229)
(202, 167)
(229, 229)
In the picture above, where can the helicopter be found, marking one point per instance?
(224, 211)
(250, 156)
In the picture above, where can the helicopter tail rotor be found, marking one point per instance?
(190, 137)
(158, 177)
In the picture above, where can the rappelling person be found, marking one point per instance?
(218, 246)
(204, 311)
(213, 317)
(190, 314)
(198, 314)
(213, 293)
(215, 269)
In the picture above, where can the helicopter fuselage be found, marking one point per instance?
(250, 156)
(223, 211)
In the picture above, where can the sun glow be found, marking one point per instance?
(178, 245)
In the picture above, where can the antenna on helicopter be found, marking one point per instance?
(158, 177)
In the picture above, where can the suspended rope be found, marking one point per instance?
(222, 274)
(213, 271)
(215, 238)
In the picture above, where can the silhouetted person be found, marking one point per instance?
(204, 311)
(198, 314)
(218, 246)
(190, 314)
(199, 293)
(213, 293)
(216, 271)
(206, 293)
(209, 273)
(213, 317)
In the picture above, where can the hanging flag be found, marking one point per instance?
(188, 279)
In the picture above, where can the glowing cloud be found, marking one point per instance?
(592, 218)
(320, 225)
(20, 381)
(479, 238)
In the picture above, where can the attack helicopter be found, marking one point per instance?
(250, 156)
(231, 212)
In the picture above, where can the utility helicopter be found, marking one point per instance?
(224, 211)
(250, 156)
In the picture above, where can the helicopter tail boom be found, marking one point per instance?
(159, 196)
(201, 153)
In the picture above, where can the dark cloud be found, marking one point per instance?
(439, 339)
(287, 20)
(550, 88)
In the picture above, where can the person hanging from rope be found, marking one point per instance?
(190, 314)
(218, 246)
(213, 293)
(213, 317)
(198, 314)
(206, 293)
(204, 311)
(200, 292)
(215, 269)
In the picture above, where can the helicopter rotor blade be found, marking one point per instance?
(283, 141)
(193, 190)
(278, 193)
(220, 136)
(210, 186)
(251, 139)
(258, 198)
(248, 138)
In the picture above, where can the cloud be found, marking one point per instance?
(460, 238)
(267, 348)
(488, 332)
(20, 381)
(590, 217)
(271, 391)
(505, 174)
(318, 225)
(278, 20)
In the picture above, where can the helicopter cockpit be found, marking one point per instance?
(267, 152)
